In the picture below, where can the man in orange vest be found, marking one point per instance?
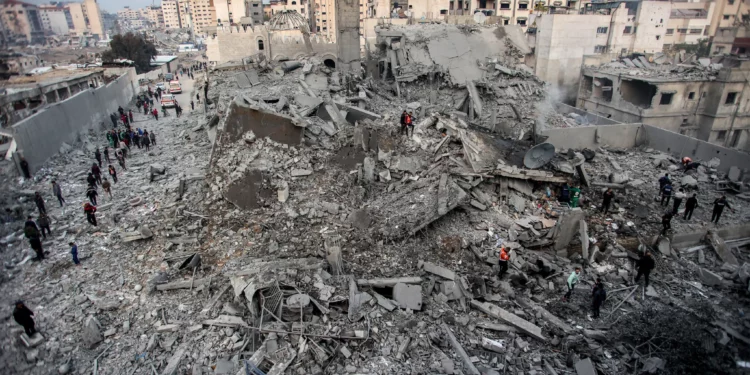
(504, 258)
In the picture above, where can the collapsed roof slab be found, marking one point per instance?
(243, 117)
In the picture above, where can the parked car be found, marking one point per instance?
(168, 77)
(161, 86)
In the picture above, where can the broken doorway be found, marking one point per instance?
(638, 93)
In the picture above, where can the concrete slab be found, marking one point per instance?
(709, 278)
(585, 367)
(246, 192)
(408, 296)
(510, 318)
(722, 249)
(242, 117)
(440, 271)
(567, 227)
(317, 82)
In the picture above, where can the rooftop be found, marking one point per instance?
(660, 68)
(20, 83)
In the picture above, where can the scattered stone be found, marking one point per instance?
(709, 278)
(300, 172)
(92, 333)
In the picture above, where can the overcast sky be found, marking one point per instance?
(113, 6)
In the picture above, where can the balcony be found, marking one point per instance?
(689, 14)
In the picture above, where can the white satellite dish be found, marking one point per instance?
(479, 18)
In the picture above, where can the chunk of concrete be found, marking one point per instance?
(32, 341)
(585, 367)
(710, 278)
(92, 333)
(158, 169)
(510, 318)
(283, 192)
(734, 174)
(440, 271)
(567, 227)
(301, 172)
(408, 296)
(368, 169)
(689, 181)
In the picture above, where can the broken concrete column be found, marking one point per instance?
(584, 232)
(567, 227)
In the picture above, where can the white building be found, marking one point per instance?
(54, 19)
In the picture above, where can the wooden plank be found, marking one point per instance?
(510, 318)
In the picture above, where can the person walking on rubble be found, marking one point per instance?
(152, 137)
(58, 192)
(36, 245)
(192, 105)
(598, 296)
(107, 187)
(44, 224)
(98, 156)
(106, 155)
(666, 222)
(146, 141)
(690, 205)
(30, 229)
(23, 316)
(572, 281)
(608, 196)
(90, 212)
(666, 194)
(155, 112)
(74, 253)
(97, 172)
(503, 262)
(113, 173)
(92, 194)
(40, 203)
(645, 265)
(121, 161)
(130, 116)
(403, 121)
(663, 181)
(719, 205)
(678, 197)
(575, 195)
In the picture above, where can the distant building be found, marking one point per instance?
(202, 15)
(21, 22)
(154, 15)
(54, 18)
(175, 13)
(93, 18)
(128, 14)
(13, 63)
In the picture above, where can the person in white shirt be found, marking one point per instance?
(678, 200)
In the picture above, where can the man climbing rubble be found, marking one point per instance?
(503, 262)
(97, 172)
(23, 316)
(90, 212)
(598, 296)
(666, 193)
(39, 201)
(572, 281)
(666, 222)
(645, 265)
(678, 197)
(98, 156)
(663, 181)
(719, 205)
(690, 205)
(58, 192)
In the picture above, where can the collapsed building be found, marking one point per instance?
(293, 229)
(700, 98)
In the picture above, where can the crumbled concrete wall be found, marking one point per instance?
(233, 43)
(615, 136)
(40, 136)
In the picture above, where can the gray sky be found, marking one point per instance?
(112, 6)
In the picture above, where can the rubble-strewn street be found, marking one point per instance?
(296, 230)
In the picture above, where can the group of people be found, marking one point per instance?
(666, 192)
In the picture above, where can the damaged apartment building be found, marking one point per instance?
(704, 99)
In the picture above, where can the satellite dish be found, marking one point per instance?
(539, 155)
(479, 18)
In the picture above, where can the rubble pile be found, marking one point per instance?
(296, 231)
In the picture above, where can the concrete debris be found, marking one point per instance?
(585, 367)
(408, 296)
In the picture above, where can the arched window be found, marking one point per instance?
(260, 44)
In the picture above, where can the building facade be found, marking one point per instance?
(21, 22)
(154, 15)
(54, 19)
(234, 43)
(202, 15)
(128, 14)
(229, 12)
(93, 15)
(713, 106)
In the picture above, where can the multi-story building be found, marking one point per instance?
(202, 15)
(21, 22)
(229, 12)
(255, 11)
(171, 14)
(154, 15)
(54, 18)
(77, 21)
(325, 18)
(128, 14)
(689, 22)
(710, 105)
(728, 16)
(93, 15)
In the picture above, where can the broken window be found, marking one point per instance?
(587, 86)
(721, 135)
(638, 93)
(685, 122)
(658, 37)
(601, 30)
(443, 11)
(600, 49)
(731, 97)
(521, 22)
(666, 98)
(727, 16)
(506, 22)
(603, 89)
(730, 2)
(670, 31)
(628, 30)
(691, 95)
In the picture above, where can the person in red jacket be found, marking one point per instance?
(504, 259)
(90, 211)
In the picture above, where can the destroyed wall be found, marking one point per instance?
(347, 36)
(40, 136)
(621, 136)
(651, 22)
(370, 36)
(234, 43)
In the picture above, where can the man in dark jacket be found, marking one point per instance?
(666, 193)
(90, 212)
(719, 205)
(40, 203)
(30, 229)
(599, 295)
(97, 172)
(25, 168)
(23, 316)
(91, 193)
(663, 181)
(666, 222)
(91, 179)
(98, 156)
(690, 205)
(645, 265)
(44, 224)
(36, 245)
